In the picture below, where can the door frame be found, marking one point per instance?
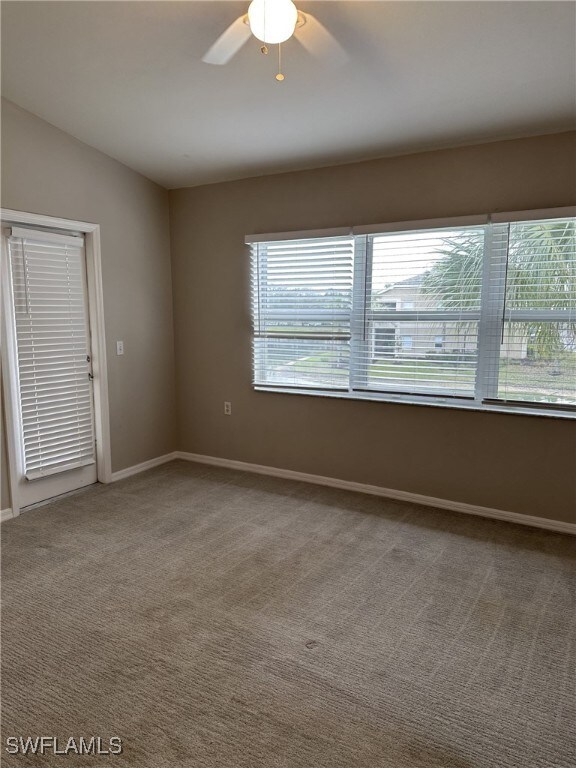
(8, 361)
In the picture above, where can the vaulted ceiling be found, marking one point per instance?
(128, 79)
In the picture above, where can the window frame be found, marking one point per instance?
(491, 316)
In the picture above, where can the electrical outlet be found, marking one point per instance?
(119, 347)
(227, 408)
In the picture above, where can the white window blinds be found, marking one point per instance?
(421, 312)
(536, 360)
(470, 311)
(52, 338)
(302, 301)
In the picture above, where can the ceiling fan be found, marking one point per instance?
(273, 22)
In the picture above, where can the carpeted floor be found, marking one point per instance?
(218, 619)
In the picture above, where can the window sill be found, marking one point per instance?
(462, 404)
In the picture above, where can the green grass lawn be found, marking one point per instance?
(530, 380)
(424, 369)
(561, 375)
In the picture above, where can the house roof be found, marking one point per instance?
(410, 282)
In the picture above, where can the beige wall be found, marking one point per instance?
(46, 171)
(518, 463)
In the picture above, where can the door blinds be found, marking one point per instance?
(52, 338)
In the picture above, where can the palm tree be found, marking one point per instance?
(541, 274)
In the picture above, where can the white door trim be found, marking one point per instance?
(98, 342)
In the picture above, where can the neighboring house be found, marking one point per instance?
(417, 338)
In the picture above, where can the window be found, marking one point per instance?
(302, 312)
(420, 264)
(406, 342)
(385, 341)
(480, 313)
(537, 356)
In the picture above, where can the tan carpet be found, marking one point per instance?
(218, 619)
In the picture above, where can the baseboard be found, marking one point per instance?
(376, 490)
(6, 514)
(150, 464)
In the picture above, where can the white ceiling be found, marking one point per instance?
(127, 78)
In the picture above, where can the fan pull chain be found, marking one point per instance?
(280, 76)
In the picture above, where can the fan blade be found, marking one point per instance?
(314, 36)
(229, 43)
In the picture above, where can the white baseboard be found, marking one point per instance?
(376, 490)
(6, 514)
(150, 464)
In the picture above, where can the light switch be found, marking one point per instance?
(119, 347)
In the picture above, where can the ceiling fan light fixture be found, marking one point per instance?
(272, 21)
